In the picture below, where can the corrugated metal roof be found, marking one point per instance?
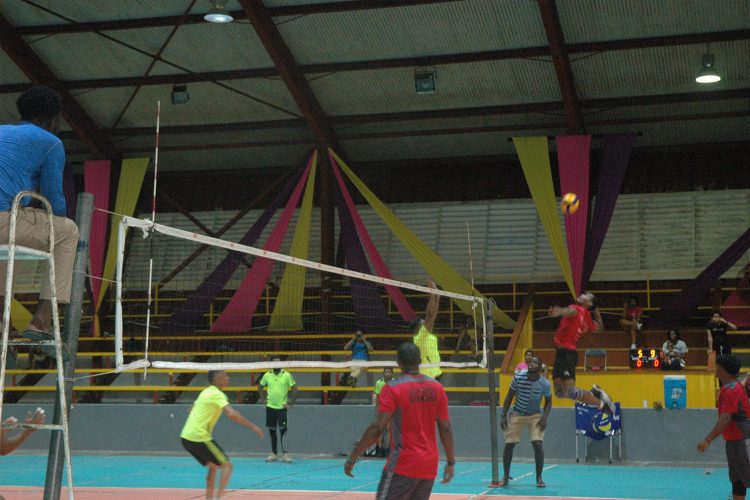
(660, 70)
(97, 10)
(592, 20)
(442, 28)
(480, 84)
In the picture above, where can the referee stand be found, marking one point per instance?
(12, 252)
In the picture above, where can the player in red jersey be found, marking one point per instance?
(413, 404)
(734, 412)
(576, 321)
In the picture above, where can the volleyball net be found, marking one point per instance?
(235, 306)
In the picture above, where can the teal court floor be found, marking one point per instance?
(127, 477)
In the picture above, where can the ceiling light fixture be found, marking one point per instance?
(708, 74)
(180, 94)
(425, 80)
(218, 13)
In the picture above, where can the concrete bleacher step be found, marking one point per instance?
(619, 357)
(610, 339)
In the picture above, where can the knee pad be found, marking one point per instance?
(569, 392)
(738, 488)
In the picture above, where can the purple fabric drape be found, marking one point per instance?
(615, 159)
(678, 309)
(190, 313)
(369, 311)
(573, 158)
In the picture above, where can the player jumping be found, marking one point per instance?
(575, 321)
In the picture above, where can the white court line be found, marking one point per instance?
(534, 472)
(480, 495)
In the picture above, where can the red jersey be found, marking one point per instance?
(417, 402)
(733, 399)
(573, 327)
(632, 313)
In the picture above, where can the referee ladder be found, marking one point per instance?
(13, 252)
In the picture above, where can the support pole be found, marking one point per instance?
(327, 251)
(489, 326)
(71, 330)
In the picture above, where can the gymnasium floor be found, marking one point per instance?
(181, 478)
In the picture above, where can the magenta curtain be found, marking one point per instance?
(573, 154)
(238, 315)
(615, 159)
(96, 180)
(403, 306)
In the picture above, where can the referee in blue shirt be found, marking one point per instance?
(32, 158)
(528, 387)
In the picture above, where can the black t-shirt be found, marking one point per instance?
(717, 329)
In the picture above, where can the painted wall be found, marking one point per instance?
(668, 436)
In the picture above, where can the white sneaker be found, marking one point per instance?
(607, 403)
(639, 326)
(286, 458)
(632, 347)
(271, 458)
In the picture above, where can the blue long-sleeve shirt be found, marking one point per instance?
(31, 159)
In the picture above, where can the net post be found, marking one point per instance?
(121, 233)
(71, 330)
(487, 305)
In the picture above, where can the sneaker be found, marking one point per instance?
(286, 458)
(639, 326)
(632, 347)
(604, 397)
(271, 458)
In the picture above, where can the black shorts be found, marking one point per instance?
(738, 460)
(275, 418)
(722, 346)
(395, 487)
(565, 364)
(206, 452)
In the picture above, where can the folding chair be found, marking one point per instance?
(592, 355)
(589, 425)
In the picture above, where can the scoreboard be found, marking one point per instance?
(645, 358)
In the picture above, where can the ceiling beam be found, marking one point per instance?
(401, 62)
(545, 126)
(290, 73)
(544, 107)
(156, 22)
(39, 73)
(561, 61)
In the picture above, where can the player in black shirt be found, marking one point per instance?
(718, 340)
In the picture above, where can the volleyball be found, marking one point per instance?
(602, 422)
(569, 203)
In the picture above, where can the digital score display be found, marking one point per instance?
(645, 358)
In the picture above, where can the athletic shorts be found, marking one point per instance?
(206, 452)
(395, 487)
(275, 418)
(516, 424)
(738, 459)
(565, 364)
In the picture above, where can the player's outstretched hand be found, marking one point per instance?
(349, 467)
(703, 446)
(36, 418)
(447, 473)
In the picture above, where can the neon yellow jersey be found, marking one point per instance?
(278, 388)
(204, 414)
(428, 346)
(379, 386)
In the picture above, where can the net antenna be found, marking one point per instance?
(151, 236)
(241, 349)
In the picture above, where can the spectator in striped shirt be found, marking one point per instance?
(528, 387)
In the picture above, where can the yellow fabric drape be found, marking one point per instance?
(287, 314)
(533, 152)
(20, 317)
(440, 271)
(129, 186)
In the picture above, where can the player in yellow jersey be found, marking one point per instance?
(196, 434)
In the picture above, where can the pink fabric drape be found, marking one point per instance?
(403, 306)
(740, 317)
(573, 155)
(238, 315)
(96, 179)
